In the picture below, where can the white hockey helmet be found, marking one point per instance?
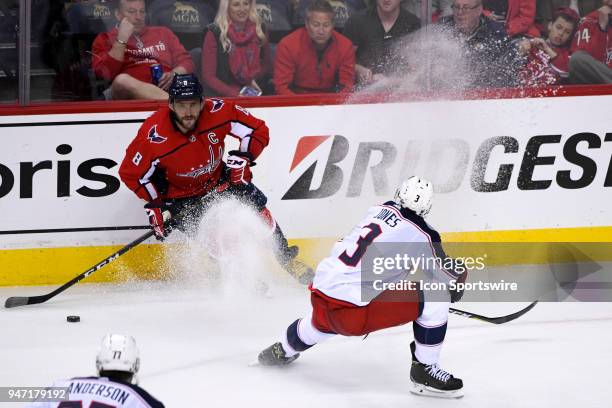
(416, 194)
(118, 353)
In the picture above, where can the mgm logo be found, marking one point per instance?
(185, 14)
(101, 11)
(341, 11)
(265, 13)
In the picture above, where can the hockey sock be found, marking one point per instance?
(301, 335)
(267, 218)
(283, 253)
(429, 332)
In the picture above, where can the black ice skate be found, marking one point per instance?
(275, 356)
(432, 381)
(300, 271)
(296, 268)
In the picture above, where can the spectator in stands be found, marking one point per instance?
(591, 60)
(126, 54)
(517, 15)
(492, 59)
(375, 33)
(545, 10)
(548, 58)
(315, 58)
(236, 55)
(343, 9)
(585, 7)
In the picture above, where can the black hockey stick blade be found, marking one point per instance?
(32, 300)
(494, 320)
(16, 301)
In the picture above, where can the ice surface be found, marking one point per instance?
(196, 343)
(199, 330)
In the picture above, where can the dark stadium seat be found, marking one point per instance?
(41, 74)
(9, 22)
(276, 15)
(82, 22)
(186, 18)
(343, 10)
(90, 17)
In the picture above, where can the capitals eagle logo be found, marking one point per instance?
(155, 137)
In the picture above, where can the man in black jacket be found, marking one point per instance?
(491, 58)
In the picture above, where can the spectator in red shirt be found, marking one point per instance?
(591, 61)
(517, 15)
(125, 55)
(315, 58)
(548, 59)
(236, 51)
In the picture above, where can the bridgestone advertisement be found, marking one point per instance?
(504, 170)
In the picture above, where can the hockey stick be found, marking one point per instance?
(32, 300)
(494, 320)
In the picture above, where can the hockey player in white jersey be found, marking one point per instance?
(115, 386)
(338, 306)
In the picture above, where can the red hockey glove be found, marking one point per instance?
(159, 215)
(239, 164)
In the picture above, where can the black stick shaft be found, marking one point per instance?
(31, 300)
(494, 320)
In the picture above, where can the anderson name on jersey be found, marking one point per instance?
(100, 392)
(339, 276)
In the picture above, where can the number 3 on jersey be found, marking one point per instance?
(362, 244)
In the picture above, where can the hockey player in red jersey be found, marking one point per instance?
(591, 60)
(175, 163)
(337, 297)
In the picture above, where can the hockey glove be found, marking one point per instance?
(457, 293)
(159, 215)
(239, 164)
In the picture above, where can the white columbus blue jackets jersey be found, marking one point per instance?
(340, 276)
(100, 392)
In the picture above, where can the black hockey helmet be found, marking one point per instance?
(185, 87)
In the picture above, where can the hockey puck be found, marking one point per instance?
(73, 319)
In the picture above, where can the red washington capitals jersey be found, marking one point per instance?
(161, 162)
(591, 38)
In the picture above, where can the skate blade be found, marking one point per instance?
(426, 391)
(254, 363)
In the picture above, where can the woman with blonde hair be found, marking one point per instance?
(236, 51)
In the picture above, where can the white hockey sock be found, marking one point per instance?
(429, 332)
(306, 333)
(289, 351)
(309, 334)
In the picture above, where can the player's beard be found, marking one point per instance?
(186, 123)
